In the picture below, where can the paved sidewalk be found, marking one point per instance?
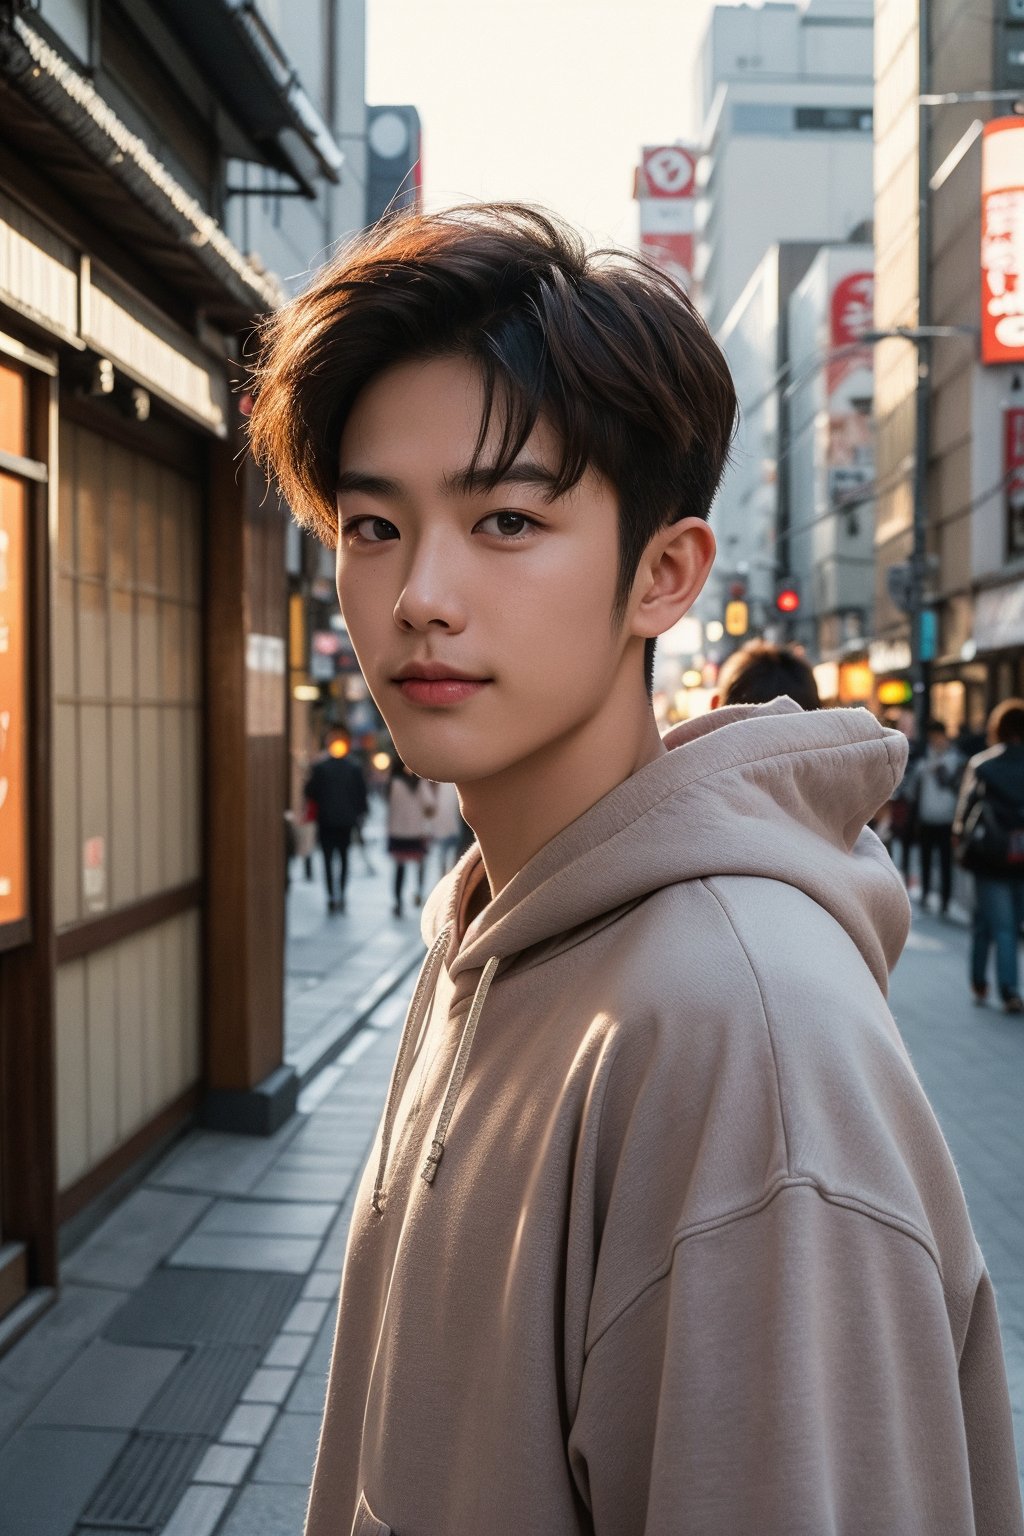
(339, 966)
(188, 1350)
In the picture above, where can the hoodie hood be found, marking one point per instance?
(756, 789)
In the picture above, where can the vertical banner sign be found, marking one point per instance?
(664, 186)
(1002, 241)
(849, 377)
(1013, 467)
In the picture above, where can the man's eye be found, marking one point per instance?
(370, 530)
(508, 525)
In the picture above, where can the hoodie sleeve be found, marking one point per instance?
(792, 1372)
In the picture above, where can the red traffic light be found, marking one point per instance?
(787, 600)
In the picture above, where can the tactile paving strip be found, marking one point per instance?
(197, 1398)
(145, 1483)
(178, 1306)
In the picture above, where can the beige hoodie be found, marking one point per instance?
(660, 1234)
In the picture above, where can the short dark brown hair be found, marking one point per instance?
(1006, 722)
(604, 346)
(759, 672)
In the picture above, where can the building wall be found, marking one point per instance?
(830, 451)
(763, 71)
(127, 786)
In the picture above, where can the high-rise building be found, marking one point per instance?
(786, 108)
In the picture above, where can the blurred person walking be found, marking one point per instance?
(337, 789)
(759, 672)
(937, 776)
(448, 828)
(901, 824)
(412, 805)
(988, 832)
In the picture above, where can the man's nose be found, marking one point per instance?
(430, 595)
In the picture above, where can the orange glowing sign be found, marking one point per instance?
(13, 829)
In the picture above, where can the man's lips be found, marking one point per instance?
(435, 684)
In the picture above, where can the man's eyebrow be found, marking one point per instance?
(369, 485)
(469, 481)
(462, 482)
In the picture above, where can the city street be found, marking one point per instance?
(177, 1386)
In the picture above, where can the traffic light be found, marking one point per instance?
(787, 596)
(736, 617)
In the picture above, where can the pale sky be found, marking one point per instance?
(545, 101)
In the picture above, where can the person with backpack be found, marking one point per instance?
(989, 835)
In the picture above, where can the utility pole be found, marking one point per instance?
(920, 665)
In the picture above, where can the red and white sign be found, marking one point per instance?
(852, 309)
(1013, 464)
(664, 186)
(1002, 241)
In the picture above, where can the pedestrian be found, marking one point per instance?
(988, 830)
(337, 789)
(901, 825)
(937, 774)
(447, 828)
(659, 1233)
(758, 672)
(411, 806)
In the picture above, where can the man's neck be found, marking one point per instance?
(515, 813)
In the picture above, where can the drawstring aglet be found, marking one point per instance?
(434, 1156)
(378, 1202)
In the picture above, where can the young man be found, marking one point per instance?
(659, 1234)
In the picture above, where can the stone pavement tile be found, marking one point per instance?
(198, 1513)
(269, 1385)
(249, 1424)
(267, 1218)
(48, 1476)
(226, 1464)
(46, 1351)
(282, 1255)
(308, 1393)
(290, 1451)
(305, 1317)
(282, 1184)
(266, 1509)
(135, 1238)
(109, 1386)
(288, 1349)
(216, 1163)
(322, 1285)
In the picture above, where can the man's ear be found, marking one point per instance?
(673, 569)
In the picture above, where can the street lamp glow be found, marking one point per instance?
(713, 631)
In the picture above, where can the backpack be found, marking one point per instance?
(992, 840)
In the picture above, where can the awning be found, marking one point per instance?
(250, 74)
(68, 133)
(999, 617)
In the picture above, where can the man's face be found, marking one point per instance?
(506, 589)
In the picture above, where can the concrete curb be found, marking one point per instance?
(329, 1042)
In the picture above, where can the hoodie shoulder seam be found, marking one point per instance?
(711, 1224)
(764, 1012)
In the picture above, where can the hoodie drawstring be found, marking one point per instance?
(451, 1097)
(421, 998)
